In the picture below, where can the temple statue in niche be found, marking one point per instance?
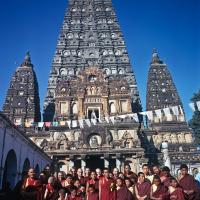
(95, 141)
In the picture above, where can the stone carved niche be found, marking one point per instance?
(174, 139)
(157, 139)
(181, 138)
(188, 138)
(127, 140)
(62, 142)
(95, 141)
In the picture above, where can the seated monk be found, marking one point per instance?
(187, 182)
(123, 192)
(51, 192)
(31, 189)
(176, 192)
(92, 194)
(158, 190)
(142, 187)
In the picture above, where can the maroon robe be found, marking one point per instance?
(165, 181)
(123, 193)
(106, 192)
(94, 182)
(93, 196)
(144, 189)
(161, 192)
(177, 194)
(188, 183)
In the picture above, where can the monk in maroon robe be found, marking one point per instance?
(158, 190)
(106, 187)
(73, 195)
(123, 192)
(142, 187)
(92, 193)
(32, 189)
(93, 181)
(176, 193)
(51, 192)
(187, 182)
(165, 176)
(129, 174)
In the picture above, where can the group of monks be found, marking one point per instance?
(150, 184)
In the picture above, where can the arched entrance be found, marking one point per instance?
(26, 165)
(10, 169)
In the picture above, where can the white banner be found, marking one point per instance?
(181, 110)
(107, 119)
(198, 105)
(192, 106)
(74, 123)
(112, 119)
(94, 121)
(158, 113)
(80, 121)
(166, 111)
(134, 116)
(175, 110)
(87, 121)
(122, 116)
(69, 123)
(150, 115)
(40, 124)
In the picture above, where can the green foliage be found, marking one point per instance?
(194, 123)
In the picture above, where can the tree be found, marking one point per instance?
(194, 123)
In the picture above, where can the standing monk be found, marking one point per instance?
(106, 187)
(32, 189)
(176, 193)
(187, 182)
(142, 187)
(129, 174)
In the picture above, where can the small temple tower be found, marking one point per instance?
(22, 104)
(162, 92)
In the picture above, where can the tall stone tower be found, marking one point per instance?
(90, 36)
(161, 91)
(22, 104)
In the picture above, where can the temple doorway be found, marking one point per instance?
(95, 162)
(93, 113)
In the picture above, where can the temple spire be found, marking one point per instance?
(27, 60)
(155, 57)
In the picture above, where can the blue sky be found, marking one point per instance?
(171, 26)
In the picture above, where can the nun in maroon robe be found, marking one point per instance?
(187, 182)
(142, 187)
(92, 193)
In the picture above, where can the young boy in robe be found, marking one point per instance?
(142, 187)
(123, 192)
(129, 184)
(176, 193)
(158, 190)
(92, 193)
(73, 194)
(187, 182)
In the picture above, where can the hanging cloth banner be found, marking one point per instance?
(143, 113)
(112, 119)
(175, 110)
(167, 111)
(181, 110)
(94, 121)
(40, 124)
(198, 105)
(47, 124)
(74, 123)
(87, 121)
(62, 123)
(192, 106)
(158, 113)
(55, 123)
(80, 121)
(107, 119)
(99, 120)
(150, 115)
(134, 116)
(69, 123)
(122, 116)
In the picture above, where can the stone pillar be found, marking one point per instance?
(80, 108)
(105, 106)
(83, 165)
(71, 164)
(106, 163)
(118, 164)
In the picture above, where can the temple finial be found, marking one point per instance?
(155, 57)
(28, 57)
